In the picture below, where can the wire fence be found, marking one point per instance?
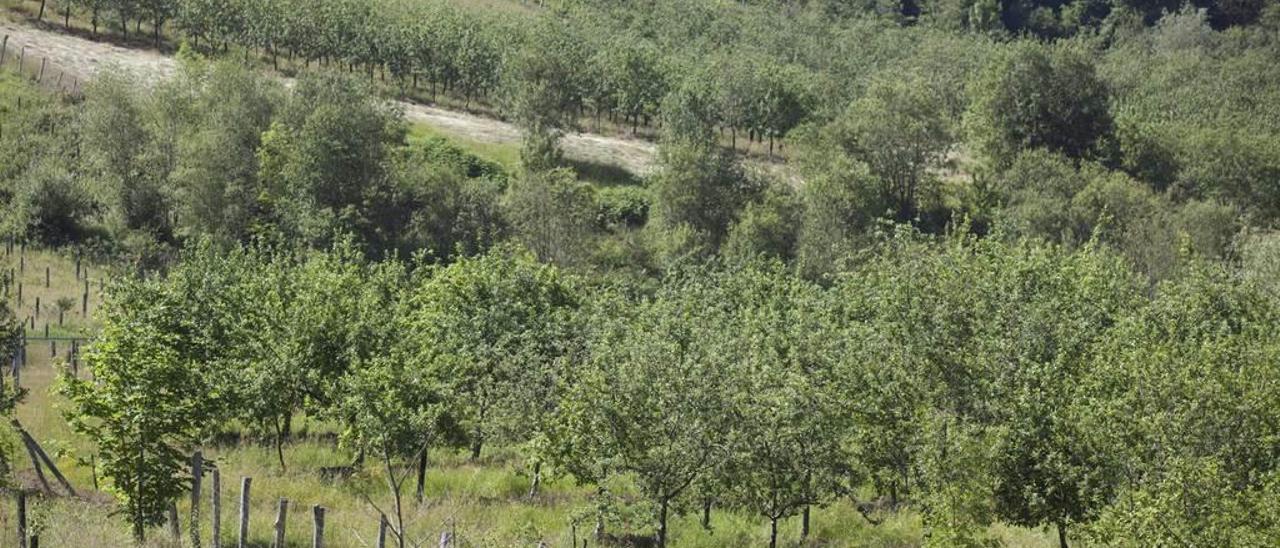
(27, 62)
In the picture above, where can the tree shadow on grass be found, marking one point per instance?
(603, 174)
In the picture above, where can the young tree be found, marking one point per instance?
(148, 403)
(393, 406)
(788, 421)
(542, 88)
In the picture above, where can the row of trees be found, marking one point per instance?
(221, 151)
(974, 381)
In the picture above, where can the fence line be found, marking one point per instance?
(22, 59)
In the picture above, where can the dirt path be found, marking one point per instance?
(85, 58)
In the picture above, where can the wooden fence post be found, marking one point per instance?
(317, 535)
(197, 473)
(4, 47)
(44, 62)
(243, 540)
(46, 277)
(282, 513)
(22, 519)
(22, 59)
(216, 510)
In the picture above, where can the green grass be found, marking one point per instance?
(505, 154)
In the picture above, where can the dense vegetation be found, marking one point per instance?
(1017, 267)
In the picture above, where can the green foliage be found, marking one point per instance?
(216, 178)
(1037, 96)
(900, 131)
(324, 159)
(551, 214)
(492, 328)
(767, 226)
(701, 187)
(650, 401)
(1191, 368)
(149, 402)
(622, 206)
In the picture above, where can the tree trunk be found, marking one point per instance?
(1062, 536)
(395, 493)
(422, 475)
(706, 514)
(280, 444)
(804, 524)
(662, 524)
(476, 446)
(139, 530)
(537, 479)
(66, 17)
(40, 16)
(773, 532)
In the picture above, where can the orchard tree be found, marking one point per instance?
(392, 408)
(492, 326)
(309, 336)
(543, 90)
(787, 440)
(651, 400)
(1179, 402)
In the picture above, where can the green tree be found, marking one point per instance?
(216, 180)
(699, 186)
(325, 159)
(491, 326)
(1196, 464)
(1035, 96)
(787, 440)
(899, 129)
(552, 214)
(651, 400)
(120, 157)
(147, 406)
